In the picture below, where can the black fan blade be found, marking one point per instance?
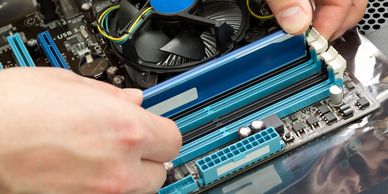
(228, 11)
(148, 46)
(127, 13)
(186, 45)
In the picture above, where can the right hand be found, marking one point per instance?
(332, 18)
(65, 134)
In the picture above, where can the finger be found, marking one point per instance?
(136, 95)
(151, 176)
(330, 15)
(130, 95)
(294, 16)
(155, 138)
(355, 15)
(167, 140)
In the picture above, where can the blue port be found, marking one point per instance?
(218, 76)
(19, 50)
(183, 186)
(51, 51)
(250, 95)
(1, 66)
(228, 133)
(239, 155)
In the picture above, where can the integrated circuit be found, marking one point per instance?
(313, 121)
(362, 103)
(330, 118)
(298, 127)
(323, 109)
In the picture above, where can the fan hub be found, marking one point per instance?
(169, 7)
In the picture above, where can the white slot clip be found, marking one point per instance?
(317, 41)
(335, 61)
(329, 55)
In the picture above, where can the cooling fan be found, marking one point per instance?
(166, 37)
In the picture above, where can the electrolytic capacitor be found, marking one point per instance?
(89, 12)
(257, 126)
(33, 48)
(336, 96)
(119, 81)
(244, 132)
(111, 72)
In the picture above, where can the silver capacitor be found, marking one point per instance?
(111, 72)
(89, 12)
(119, 81)
(257, 126)
(244, 132)
(336, 96)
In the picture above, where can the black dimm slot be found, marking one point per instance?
(251, 108)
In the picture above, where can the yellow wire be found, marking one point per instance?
(255, 15)
(138, 19)
(130, 29)
(102, 32)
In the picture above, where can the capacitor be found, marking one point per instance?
(89, 12)
(336, 96)
(244, 132)
(257, 126)
(33, 48)
(119, 81)
(111, 72)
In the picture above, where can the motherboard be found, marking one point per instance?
(69, 34)
(241, 90)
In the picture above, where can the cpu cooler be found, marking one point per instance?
(177, 36)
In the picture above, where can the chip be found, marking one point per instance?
(330, 117)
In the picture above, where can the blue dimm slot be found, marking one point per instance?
(51, 51)
(183, 186)
(19, 50)
(228, 133)
(254, 93)
(239, 155)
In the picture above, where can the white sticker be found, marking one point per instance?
(174, 102)
(258, 182)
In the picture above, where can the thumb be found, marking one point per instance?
(135, 95)
(294, 16)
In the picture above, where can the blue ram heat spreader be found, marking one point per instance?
(224, 74)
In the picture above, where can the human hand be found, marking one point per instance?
(61, 133)
(332, 18)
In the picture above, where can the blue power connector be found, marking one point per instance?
(183, 186)
(239, 155)
(51, 50)
(19, 50)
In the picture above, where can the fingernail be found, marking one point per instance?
(293, 20)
